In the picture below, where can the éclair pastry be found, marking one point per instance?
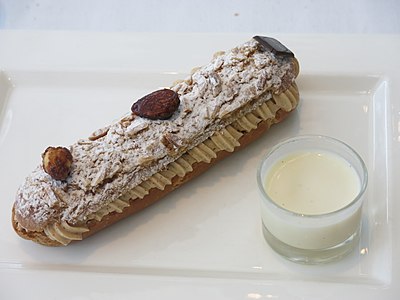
(169, 137)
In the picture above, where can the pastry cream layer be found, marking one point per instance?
(226, 139)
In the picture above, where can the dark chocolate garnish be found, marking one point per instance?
(273, 45)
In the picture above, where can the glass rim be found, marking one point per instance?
(364, 180)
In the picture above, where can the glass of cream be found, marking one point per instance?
(312, 189)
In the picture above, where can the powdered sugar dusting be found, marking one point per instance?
(132, 149)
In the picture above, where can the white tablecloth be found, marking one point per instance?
(274, 16)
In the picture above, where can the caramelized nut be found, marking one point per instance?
(159, 105)
(57, 162)
(99, 133)
(170, 142)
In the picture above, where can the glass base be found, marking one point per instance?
(312, 256)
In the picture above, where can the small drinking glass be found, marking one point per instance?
(312, 238)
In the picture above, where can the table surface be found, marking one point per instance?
(284, 16)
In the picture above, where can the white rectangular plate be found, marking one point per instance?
(204, 240)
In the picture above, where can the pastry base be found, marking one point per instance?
(155, 194)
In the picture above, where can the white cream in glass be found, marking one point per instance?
(312, 189)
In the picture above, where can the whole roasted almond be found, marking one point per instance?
(159, 105)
